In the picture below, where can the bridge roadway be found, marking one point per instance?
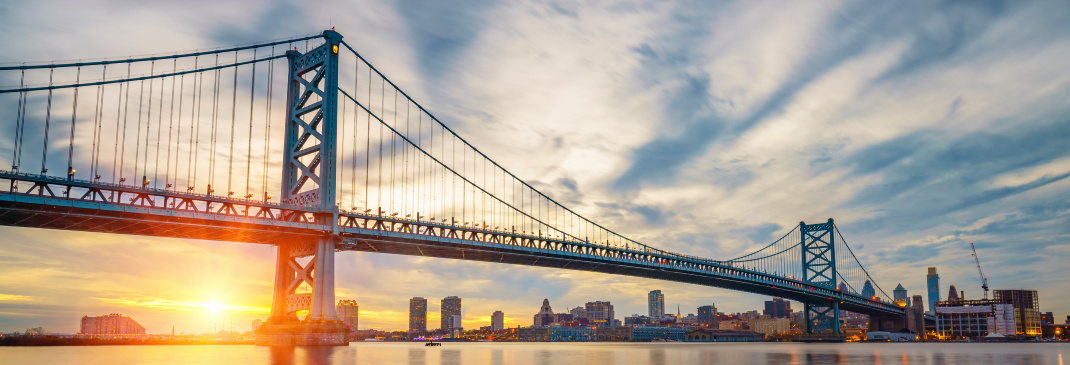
(79, 205)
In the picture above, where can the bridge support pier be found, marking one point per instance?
(321, 325)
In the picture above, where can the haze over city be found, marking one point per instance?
(706, 129)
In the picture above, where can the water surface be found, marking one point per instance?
(553, 353)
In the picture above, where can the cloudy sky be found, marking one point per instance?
(703, 127)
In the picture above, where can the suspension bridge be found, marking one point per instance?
(303, 144)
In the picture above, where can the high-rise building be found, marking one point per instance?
(257, 323)
(600, 313)
(417, 315)
(868, 291)
(347, 312)
(451, 306)
(656, 303)
(111, 324)
(932, 282)
(545, 317)
(578, 312)
(777, 308)
(497, 321)
(953, 294)
(1026, 309)
(900, 295)
(707, 315)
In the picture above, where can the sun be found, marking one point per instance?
(214, 307)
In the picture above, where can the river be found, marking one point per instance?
(553, 353)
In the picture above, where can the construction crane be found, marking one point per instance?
(984, 279)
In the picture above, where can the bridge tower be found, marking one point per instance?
(308, 180)
(819, 270)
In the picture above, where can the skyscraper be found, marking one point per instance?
(707, 315)
(451, 306)
(417, 315)
(900, 295)
(953, 294)
(778, 308)
(933, 284)
(600, 313)
(497, 321)
(656, 303)
(868, 291)
(347, 312)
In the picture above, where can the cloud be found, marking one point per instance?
(702, 128)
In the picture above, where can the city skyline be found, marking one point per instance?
(930, 139)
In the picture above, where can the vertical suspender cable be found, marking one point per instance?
(171, 124)
(48, 119)
(233, 123)
(249, 149)
(98, 103)
(19, 116)
(356, 124)
(140, 106)
(74, 123)
(159, 130)
(267, 117)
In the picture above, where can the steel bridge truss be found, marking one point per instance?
(819, 269)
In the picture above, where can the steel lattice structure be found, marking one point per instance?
(408, 203)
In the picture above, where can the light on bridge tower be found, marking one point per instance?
(309, 170)
(819, 270)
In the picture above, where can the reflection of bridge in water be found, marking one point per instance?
(145, 143)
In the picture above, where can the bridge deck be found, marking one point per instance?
(149, 212)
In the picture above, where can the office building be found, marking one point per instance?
(656, 303)
(707, 316)
(256, 324)
(455, 325)
(545, 317)
(578, 312)
(111, 324)
(347, 312)
(767, 325)
(952, 294)
(932, 282)
(1047, 318)
(1026, 309)
(451, 306)
(417, 315)
(868, 291)
(497, 321)
(900, 295)
(600, 313)
(777, 308)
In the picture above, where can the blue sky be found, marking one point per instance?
(702, 127)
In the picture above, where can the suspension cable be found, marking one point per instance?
(74, 121)
(48, 119)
